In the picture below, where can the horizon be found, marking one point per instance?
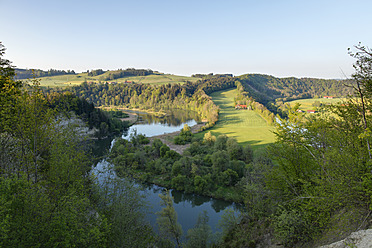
(282, 39)
(156, 71)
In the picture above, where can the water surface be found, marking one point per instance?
(187, 206)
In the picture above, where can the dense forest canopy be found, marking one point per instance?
(211, 166)
(265, 88)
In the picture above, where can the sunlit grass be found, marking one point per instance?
(244, 125)
(308, 104)
(70, 80)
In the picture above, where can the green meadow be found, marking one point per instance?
(308, 104)
(246, 126)
(156, 79)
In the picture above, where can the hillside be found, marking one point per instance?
(248, 127)
(262, 88)
(119, 76)
(266, 88)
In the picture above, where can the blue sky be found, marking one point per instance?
(281, 38)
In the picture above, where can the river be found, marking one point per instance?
(187, 206)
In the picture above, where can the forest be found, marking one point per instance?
(106, 122)
(211, 166)
(189, 96)
(313, 186)
(265, 88)
(112, 75)
(30, 73)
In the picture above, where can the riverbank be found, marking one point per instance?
(131, 119)
(168, 138)
(148, 111)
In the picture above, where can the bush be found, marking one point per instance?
(184, 137)
(291, 228)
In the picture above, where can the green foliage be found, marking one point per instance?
(179, 182)
(163, 150)
(44, 188)
(94, 73)
(228, 221)
(31, 73)
(209, 139)
(123, 206)
(321, 161)
(189, 96)
(106, 123)
(291, 228)
(265, 88)
(167, 220)
(220, 143)
(203, 170)
(118, 114)
(245, 97)
(201, 234)
(112, 75)
(47, 196)
(184, 137)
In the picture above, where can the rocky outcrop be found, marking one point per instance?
(360, 239)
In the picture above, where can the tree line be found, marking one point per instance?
(106, 122)
(245, 98)
(189, 96)
(265, 88)
(94, 73)
(112, 75)
(30, 73)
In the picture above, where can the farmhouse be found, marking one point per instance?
(310, 111)
(240, 106)
(328, 97)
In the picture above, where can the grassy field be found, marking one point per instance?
(68, 80)
(244, 125)
(159, 79)
(307, 104)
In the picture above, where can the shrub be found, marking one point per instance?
(291, 228)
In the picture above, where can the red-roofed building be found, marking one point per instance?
(240, 106)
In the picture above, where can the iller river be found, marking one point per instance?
(187, 206)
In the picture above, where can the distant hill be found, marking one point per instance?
(266, 88)
(30, 73)
(262, 88)
(70, 78)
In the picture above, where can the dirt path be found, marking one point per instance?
(169, 137)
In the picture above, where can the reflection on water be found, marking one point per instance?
(151, 125)
(172, 118)
(187, 206)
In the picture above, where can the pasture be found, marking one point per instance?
(308, 104)
(246, 126)
(70, 80)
